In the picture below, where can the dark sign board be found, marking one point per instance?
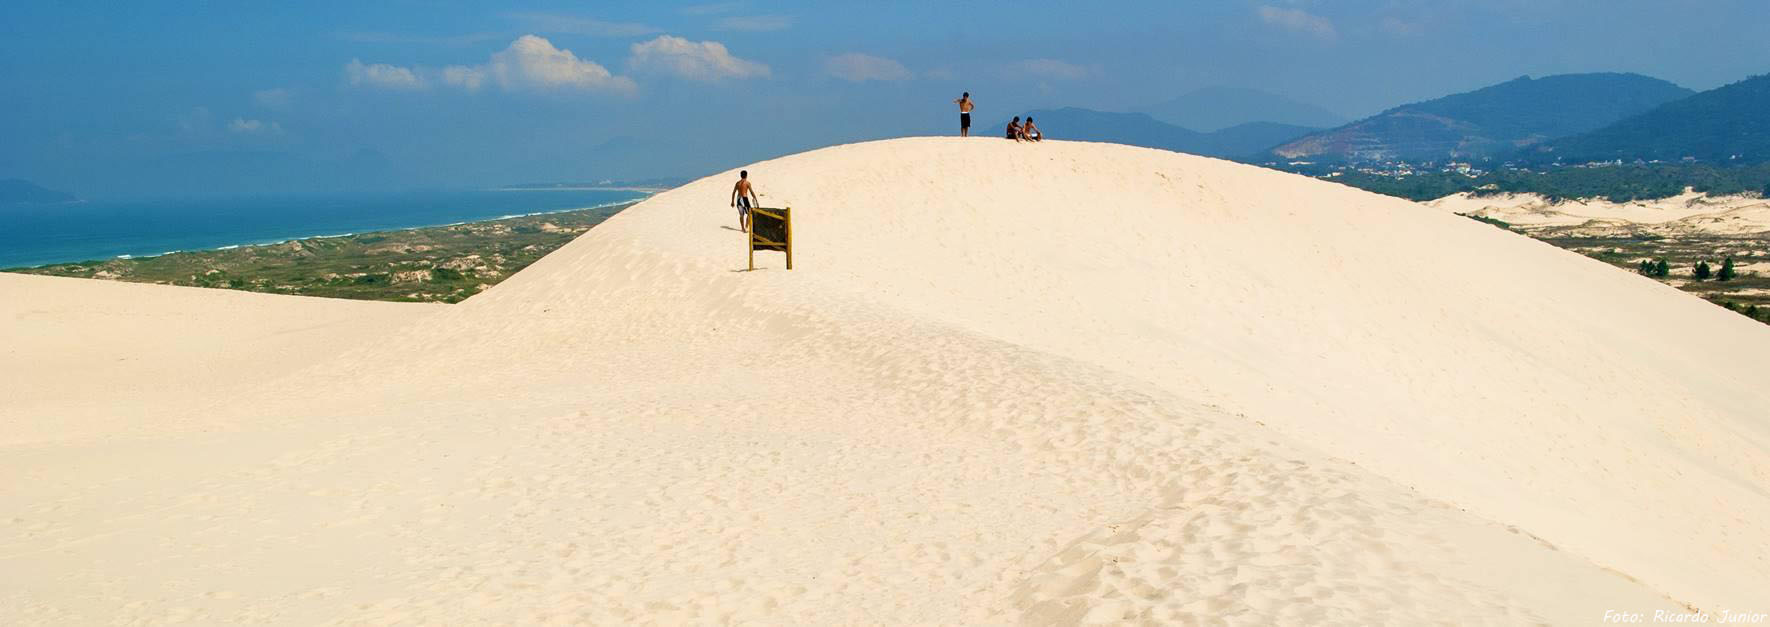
(771, 229)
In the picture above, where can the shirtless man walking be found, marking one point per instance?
(965, 106)
(743, 196)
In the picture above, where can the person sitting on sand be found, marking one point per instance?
(1030, 132)
(743, 196)
(1014, 129)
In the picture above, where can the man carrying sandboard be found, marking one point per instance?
(743, 196)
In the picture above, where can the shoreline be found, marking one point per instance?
(276, 242)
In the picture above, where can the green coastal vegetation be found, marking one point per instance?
(1615, 182)
(444, 264)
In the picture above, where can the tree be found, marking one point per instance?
(1645, 268)
(1702, 271)
(1662, 269)
(1727, 272)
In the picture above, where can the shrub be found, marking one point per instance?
(1727, 272)
(1662, 269)
(1702, 271)
(1499, 223)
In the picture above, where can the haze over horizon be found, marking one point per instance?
(118, 101)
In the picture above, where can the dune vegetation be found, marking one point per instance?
(443, 264)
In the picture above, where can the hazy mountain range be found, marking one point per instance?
(1572, 118)
(1489, 122)
(1724, 125)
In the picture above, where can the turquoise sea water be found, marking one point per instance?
(33, 235)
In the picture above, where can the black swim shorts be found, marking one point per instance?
(964, 120)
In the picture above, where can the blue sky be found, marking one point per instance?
(158, 98)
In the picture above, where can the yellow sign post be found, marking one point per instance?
(771, 229)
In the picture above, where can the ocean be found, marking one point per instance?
(33, 235)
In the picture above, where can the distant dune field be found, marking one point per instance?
(1052, 383)
(1690, 213)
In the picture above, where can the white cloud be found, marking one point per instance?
(254, 127)
(571, 24)
(695, 60)
(381, 76)
(754, 23)
(465, 77)
(859, 67)
(1298, 20)
(276, 98)
(530, 62)
(1049, 68)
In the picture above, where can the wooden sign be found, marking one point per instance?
(771, 229)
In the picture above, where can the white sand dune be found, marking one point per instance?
(1054, 383)
(84, 358)
(1690, 213)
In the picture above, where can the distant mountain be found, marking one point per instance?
(21, 192)
(1489, 122)
(1138, 129)
(1730, 124)
(1216, 108)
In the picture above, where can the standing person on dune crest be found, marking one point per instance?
(965, 106)
(743, 196)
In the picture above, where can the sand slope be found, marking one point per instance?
(87, 358)
(1054, 383)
